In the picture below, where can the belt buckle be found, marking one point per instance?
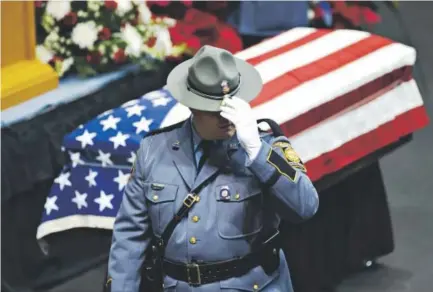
(193, 274)
(189, 200)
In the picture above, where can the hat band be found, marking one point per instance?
(214, 97)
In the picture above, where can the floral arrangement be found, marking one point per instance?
(92, 37)
(199, 23)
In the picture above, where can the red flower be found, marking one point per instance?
(38, 4)
(177, 34)
(199, 19)
(94, 57)
(119, 56)
(110, 4)
(151, 42)
(70, 19)
(193, 43)
(228, 39)
(104, 34)
(370, 16)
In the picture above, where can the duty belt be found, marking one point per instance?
(197, 274)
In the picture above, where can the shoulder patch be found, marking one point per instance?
(290, 154)
(281, 144)
(165, 129)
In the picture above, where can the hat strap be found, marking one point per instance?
(214, 97)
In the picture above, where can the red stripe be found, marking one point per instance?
(294, 78)
(284, 49)
(371, 90)
(363, 145)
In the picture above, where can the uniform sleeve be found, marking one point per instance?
(279, 168)
(131, 231)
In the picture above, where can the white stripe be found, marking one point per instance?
(176, 114)
(74, 221)
(275, 42)
(327, 87)
(335, 132)
(308, 53)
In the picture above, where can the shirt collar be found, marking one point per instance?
(196, 139)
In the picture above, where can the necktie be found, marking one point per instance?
(205, 151)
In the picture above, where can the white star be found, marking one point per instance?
(104, 201)
(154, 95)
(91, 178)
(50, 204)
(162, 101)
(86, 138)
(131, 159)
(110, 123)
(129, 103)
(135, 110)
(104, 158)
(142, 125)
(63, 180)
(119, 140)
(75, 158)
(80, 200)
(122, 179)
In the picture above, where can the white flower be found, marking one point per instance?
(123, 6)
(43, 54)
(145, 14)
(58, 9)
(169, 21)
(163, 42)
(133, 40)
(85, 34)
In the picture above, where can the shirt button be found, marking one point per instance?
(197, 199)
(193, 240)
(155, 198)
(256, 287)
(195, 218)
(237, 196)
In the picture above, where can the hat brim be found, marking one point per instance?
(251, 85)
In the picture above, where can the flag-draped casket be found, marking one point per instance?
(338, 95)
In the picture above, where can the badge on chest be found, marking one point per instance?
(225, 193)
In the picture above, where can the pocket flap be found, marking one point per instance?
(236, 191)
(160, 192)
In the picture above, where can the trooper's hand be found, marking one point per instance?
(239, 112)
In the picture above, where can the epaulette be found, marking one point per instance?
(165, 129)
(275, 128)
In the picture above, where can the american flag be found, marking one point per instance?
(338, 95)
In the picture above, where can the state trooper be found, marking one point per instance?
(207, 195)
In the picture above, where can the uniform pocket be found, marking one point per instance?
(161, 204)
(239, 207)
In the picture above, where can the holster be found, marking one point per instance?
(152, 277)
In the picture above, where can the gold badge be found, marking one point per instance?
(282, 144)
(291, 155)
(225, 87)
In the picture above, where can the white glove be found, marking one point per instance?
(239, 112)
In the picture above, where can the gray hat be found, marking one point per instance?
(202, 82)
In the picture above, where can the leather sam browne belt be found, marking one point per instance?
(197, 274)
